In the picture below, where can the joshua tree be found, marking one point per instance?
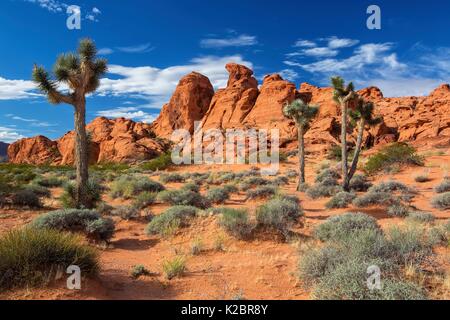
(363, 115)
(302, 114)
(82, 74)
(343, 95)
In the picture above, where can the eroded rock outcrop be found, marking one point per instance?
(119, 140)
(188, 104)
(36, 150)
(231, 105)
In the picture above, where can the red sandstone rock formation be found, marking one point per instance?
(189, 103)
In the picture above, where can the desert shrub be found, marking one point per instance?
(49, 182)
(38, 190)
(340, 200)
(94, 193)
(396, 153)
(335, 153)
(139, 271)
(128, 186)
(126, 212)
(230, 188)
(26, 198)
(261, 192)
(441, 201)
(196, 246)
(287, 197)
(280, 181)
(191, 186)
(319, 190)
(278, 214)
(199, 178)
(440, 234)
(423, 217)
(344, 226)
(103, 208)
(256, 181)
(171, 177)
(339, 269)
(160, 163)
(171, 219)
(444, 186)
(30, 257)
(374, 198)
(359, 183)
(217, 195)
(235, 222)
(144, 199)
(88, 221)
(398, 210)
(328, 177)
(183, 197)
(421, 178)
(291, 173)
(390, 186)
(174, 268)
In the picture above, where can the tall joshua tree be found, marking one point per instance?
(363, 115)
(302, 113)
(343, 95)
(82, 74)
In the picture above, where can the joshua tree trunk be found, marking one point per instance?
(354, 165)
(301, 156)
(81, 154)
(345, 180)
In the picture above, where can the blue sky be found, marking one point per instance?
(151, 44)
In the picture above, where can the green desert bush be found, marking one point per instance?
(278, 214)
(174, 268)
(374, 198)
(339, 268)
(441, 201)
(421, 178)
(162, 162)
(49, 182)
(395, 153)
(291, 173)
(191, 186)
(171, 177)
(38, 190)
(280, 181)
(444, 186)
(139, 271)
(87, 221)
(126, 212)
(319, 190)
(217, 195)
(144, 199)
(328, 177)
(344, 226)
(128, 186)
(359, 183)
(422, 217)
(340, 200)
(103, 208)
(236, 222)
(261, 192)
(231, 188)
(171, 219)
(26, 198)
(183, 197)
(32, 257)
(94, 193)
(398, 210)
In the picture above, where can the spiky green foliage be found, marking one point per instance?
(301, 112)
(340, 89)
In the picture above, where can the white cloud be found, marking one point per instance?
(16, 89)
(336, 43)
(140, 48)
(289, 74)
(105, 51)
(96, 10)
(32, 122)
(239, 41)
(157, 84)
(50, 5)
(320, 52)
(304, 43)
(129, 113)
(9, 134)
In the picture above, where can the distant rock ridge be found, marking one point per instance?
(242, 104)
(3, 149)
